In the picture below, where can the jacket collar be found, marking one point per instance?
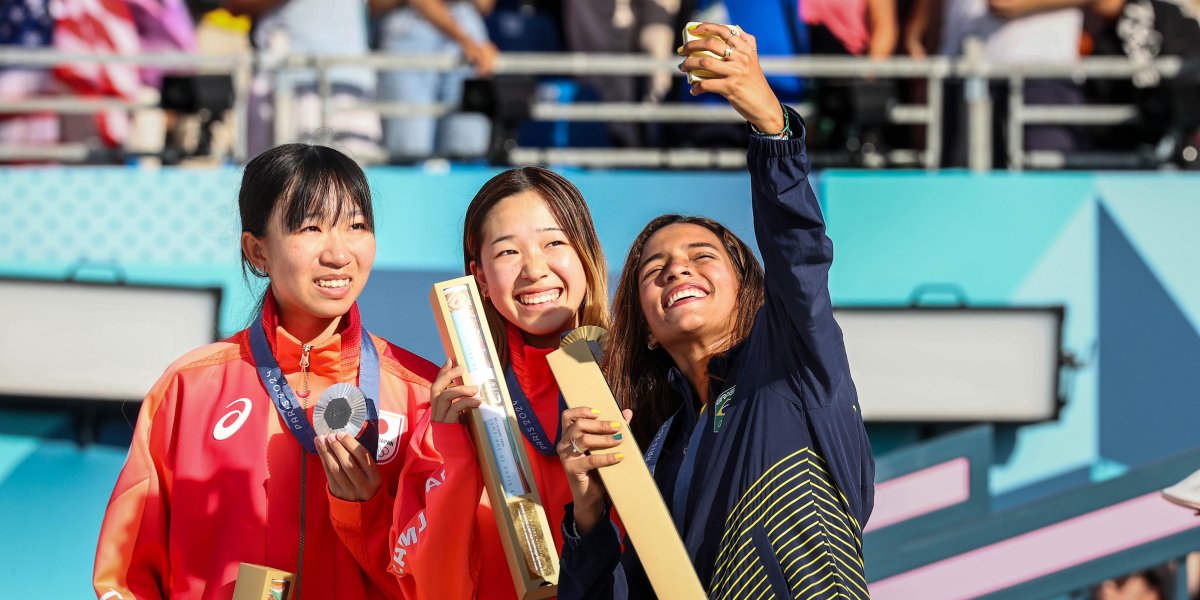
(337, 353)
(530, 365)
(719, 367)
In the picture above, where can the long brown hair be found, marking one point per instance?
(637, 373)
(570, 211)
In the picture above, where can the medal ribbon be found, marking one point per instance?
(527, 419)
(683, 479)
(288, 404)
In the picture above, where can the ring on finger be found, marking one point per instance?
(728, 52)
(575, 447)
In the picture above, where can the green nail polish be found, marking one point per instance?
(618, 436)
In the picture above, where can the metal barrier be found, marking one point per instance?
(237, 65)
(974, 71)
(941, 535)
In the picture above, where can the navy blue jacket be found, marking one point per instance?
(771, 484)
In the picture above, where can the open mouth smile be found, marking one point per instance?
(684, 294)
(539, 297)
(334, 283)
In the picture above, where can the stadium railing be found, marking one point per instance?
(972, 69)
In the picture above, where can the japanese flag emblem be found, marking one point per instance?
(391, 426)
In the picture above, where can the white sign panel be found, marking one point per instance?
(97, 341)
(954, 364)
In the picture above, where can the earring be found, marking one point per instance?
(651, 346)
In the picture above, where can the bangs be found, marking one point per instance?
(327, 187)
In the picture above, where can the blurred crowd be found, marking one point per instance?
(847, 116)
(1158, 583)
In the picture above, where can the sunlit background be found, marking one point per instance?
(1007, 186)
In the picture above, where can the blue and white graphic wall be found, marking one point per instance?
(1119, 251)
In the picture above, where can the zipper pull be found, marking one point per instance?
(304, 391)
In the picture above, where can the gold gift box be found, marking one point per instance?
(629, 483)
(507, 473)
(256, 582)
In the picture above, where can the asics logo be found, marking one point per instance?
(233, 420)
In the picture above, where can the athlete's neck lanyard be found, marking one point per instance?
(289, 406)
(654, 450)
(527, 419)
(683, 479)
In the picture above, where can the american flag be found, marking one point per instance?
(99, 27)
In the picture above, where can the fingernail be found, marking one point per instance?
(595, 412)
(619, 436)
(693, 26)
(679, 50)
(616, 424)
(680, 65)
(620, 456)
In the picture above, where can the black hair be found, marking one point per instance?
(299, 180)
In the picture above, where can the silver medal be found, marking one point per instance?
(341, 409)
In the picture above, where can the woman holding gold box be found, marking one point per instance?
(245, 451)
(530, 243)
(738, 381)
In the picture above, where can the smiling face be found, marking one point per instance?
(528, 268)
(317, 270)
(688, 287)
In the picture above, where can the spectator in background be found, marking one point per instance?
(1150, 584)
(205, 138)
(1144, 30)
(27, 24)
(526, 25)
(319, 27)
(623, 27)
(86, 27)
(162, 26)
(1012, 32)
(851, 28)
(408, 27)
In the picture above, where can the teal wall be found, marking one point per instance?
(1119, 251)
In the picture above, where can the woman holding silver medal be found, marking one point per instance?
(738, 381)
(282, 445)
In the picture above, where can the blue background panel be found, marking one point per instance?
(1118, 251)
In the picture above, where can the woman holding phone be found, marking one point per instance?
(738, 382)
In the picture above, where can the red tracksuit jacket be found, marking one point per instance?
(213, 477)
(446, 545)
